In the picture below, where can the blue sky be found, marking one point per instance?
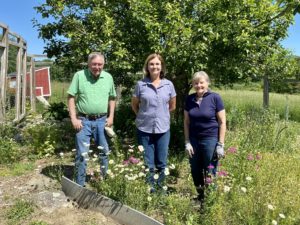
(17, 14)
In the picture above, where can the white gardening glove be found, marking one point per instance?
(110, 132)
(189, 149)
(220, 150)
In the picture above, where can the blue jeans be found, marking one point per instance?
(155, 154)
(202, 158)
(95, 129)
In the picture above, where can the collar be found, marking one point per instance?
(91, 76)
(148, 81)
(205, 94)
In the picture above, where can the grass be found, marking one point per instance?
(19, 211)
(16, 169)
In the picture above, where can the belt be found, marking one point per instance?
(92, 116)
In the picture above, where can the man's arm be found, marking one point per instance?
(111, 110)
(72, 112)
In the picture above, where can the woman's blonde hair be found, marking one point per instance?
(200, 74)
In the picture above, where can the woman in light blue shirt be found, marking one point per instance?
(153, 99)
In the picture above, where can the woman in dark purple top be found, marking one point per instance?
(204, 130)
(153, 99)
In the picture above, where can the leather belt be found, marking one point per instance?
(92, 116)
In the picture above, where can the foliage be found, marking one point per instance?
(231, 40)
(48, 137)
(19, 211)
(56, 111)
(16, 168)
(9, 151)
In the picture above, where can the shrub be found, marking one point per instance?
(9, 151)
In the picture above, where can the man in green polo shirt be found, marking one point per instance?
(91, 103)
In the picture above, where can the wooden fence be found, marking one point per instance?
(24, 63)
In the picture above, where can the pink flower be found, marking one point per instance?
(126, 162)
(222, 173)
(258, 156)
(133, 160)
(250, 157)
(210, 166)
(232, 150)
(208, 180)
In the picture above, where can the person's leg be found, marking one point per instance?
(146, 140)
(82, 149)
(161, 155)
(196, 169)
(207, 147)
(101, 142)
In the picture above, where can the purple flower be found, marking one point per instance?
(258, 156)
(250, 157)
(133, 160)
(222, 173)
(126, 162)
(232, 150)
(210, 166)
(208, 180)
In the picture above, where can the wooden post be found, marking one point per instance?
(266, 92)
(3, 71)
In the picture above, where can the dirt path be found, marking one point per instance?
(51, 205)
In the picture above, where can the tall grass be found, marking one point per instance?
(247, 100)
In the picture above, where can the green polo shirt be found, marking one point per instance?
(92, 94)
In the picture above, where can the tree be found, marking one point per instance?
(228, 39)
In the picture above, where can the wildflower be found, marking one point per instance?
(155, 176)
(270, 207)
(172, 166)
(222, 173)
(232, 150)
(167, 172)
(226, 188)
(282, 216)
(141, 148)
(134, 160)
(258, 156)
(95, 156)
(74, 150)
(250, 157)
(126, 162)
(208, 180)
(274, 222)
(61, 154)
(90, 151)
(147, 170)
(100, 147)
(165, 188)
(94, 159)
(141, 174)
(130, 150)
(210, 166)
(149, 199)
(108, 172)
(248, 178)
(243, 189)
(131, 146)
(111, 161)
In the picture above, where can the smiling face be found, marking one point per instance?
(154, 67)
(96, 65)
(200, 86)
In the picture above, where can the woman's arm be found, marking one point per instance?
(186, 123)
(172, 104)
(221, 116)
(135, 103)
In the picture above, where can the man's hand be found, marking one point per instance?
(220, 150)
(109, 122)
(77, 124)
(189, 149)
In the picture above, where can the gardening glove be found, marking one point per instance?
(110, 132)
(220, 150)
(189, 149)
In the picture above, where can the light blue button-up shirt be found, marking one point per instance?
(154, 115)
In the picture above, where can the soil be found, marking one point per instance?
(51, 206)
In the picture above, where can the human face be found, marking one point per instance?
(154, 67)
(96, 65)
(200, 86)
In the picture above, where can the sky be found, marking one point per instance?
(18, 15)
